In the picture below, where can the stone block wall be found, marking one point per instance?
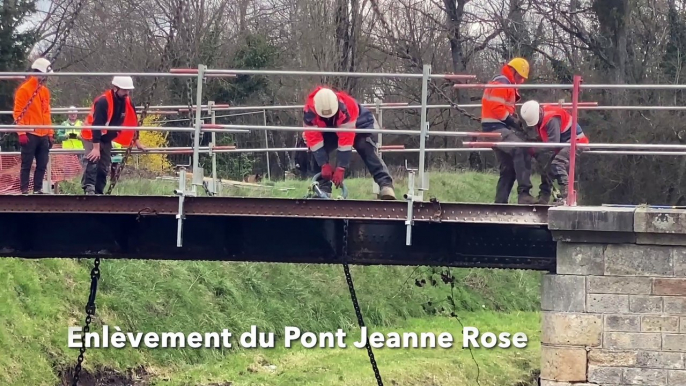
(614, 312)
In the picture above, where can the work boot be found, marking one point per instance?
(526, 199)
(544, 199)
(561, 199)
(386, 193)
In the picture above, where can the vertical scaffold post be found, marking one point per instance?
(410, 203)
(180, 216)
(424, 133)
(213, 120)
(266, 143)
(571, 192)
(197, 171)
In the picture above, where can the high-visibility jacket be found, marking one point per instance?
(118, 157)
(558, 130)
(64, 131)
(498, 104)
(38, 112)
(125, 137)
(350, 115)
(72, 143)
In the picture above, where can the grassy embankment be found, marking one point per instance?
(41, 299)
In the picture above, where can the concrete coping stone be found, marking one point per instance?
(631, 219)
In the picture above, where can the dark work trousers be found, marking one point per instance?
(543, 159)
(365, 145)
(95, 173)
(557, 170)
(515, 165)
(38, 147)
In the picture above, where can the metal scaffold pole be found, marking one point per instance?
(571, 193)
(213, 119)
(424, 129)
(266, 144)
(197, 171)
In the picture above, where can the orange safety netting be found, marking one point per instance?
(62, 167)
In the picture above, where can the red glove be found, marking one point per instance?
(23, 139)
(338, 177)
(327, 172)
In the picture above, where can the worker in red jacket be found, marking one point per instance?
(336, 109)
(553, 125)
(498, 116)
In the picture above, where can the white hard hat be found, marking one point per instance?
(530, 113)
(326, 103)
(42, 65)
(73, 110)
(123, 82)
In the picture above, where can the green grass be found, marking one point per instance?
(449, 187)
(42, 298)
(399, 366)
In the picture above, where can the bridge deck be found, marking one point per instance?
(276, 230)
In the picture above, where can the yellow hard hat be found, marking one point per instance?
(521, 66)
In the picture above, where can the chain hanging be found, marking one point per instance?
(455, 105)
(356, 305)
(52, 60)
(90, 312)
(166, 55)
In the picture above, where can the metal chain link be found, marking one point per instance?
(356, 305)
(166, 57)
(90, 312)
(52, 60)
(455, 105)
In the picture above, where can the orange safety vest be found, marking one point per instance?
(549, 112)
(130, 119)
(497, 103)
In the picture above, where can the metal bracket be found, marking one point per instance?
(182, 193)
(410, 197)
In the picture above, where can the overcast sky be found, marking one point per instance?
(42, 6)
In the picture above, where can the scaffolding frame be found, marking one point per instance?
(203, 72)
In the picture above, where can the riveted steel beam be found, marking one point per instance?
(279, 207)
(149, 235)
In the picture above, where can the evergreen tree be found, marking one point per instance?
(15, 46)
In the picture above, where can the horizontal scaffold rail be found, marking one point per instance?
(277, 230)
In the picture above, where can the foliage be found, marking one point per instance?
(14, 50)
(153, 162)
(255, 52)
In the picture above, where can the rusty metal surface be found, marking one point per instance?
(278, 207)
(275, 239)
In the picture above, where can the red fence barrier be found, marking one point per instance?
(63, 167)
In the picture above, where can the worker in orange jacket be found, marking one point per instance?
(498, 115)
(113, 108)
(553, 125)
(35, 144)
